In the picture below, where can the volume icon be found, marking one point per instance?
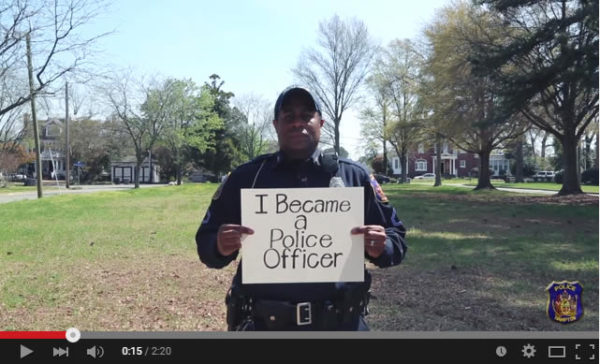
(95, 351)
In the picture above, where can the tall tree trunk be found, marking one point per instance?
(571, 184)
(484, 171)
(588, 152)
(178, 167)
(543, 151)
(385, 159)
(138, 169)
(438, 161)
(534, 155)
(403, 164)
(597, 145)
(337, 136)
(519, 160)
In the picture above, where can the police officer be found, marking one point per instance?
(298, 163)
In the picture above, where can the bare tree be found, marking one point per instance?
(126, 96)
(256, 133)
(403, 71)
(56, 45)
(335, 69)
(10, 133)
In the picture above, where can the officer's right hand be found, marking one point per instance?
(229, 238)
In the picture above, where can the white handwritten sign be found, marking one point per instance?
(302, 235)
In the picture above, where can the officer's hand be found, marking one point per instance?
(229, 238)
(374, 238)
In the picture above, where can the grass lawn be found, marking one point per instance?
(126, 260)
(550, 186)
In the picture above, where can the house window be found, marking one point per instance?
(396, 163)
(463, 164)
(421, 148)
(421, 165)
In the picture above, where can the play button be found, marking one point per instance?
(25, 351)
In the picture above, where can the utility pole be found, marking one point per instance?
(36, 136)
(67, 146)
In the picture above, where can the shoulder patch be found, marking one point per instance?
(219, 190)
(377, 189)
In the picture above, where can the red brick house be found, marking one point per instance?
(455, 162)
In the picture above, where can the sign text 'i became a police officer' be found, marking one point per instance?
(303, 235)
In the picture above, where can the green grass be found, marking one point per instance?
(126, 260)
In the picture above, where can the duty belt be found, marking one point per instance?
(324, 315)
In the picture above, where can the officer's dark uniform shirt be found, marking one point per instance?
(274, 171)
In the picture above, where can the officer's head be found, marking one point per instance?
(298, 122)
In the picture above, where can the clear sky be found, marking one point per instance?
(251, 45)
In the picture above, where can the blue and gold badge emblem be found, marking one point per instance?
(377, 190)
(564, 301)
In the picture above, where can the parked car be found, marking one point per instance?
(426, 176)
(381, 179)
(543, 176)
(17, 177)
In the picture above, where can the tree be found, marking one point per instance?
(465, 103)
(13, 157)
(255, 133)
(374, 119)
(335, 69)
(53, 26)
(95, 143)
(402, 70)
(225, 154)
(548, 68)
(188, 118)
(127, 99)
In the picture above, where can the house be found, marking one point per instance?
(455, 162)
(124, 171)
(51, 148)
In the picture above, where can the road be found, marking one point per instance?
(18, 196)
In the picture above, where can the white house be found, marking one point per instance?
(124, 171)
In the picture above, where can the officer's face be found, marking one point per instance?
(298, 127)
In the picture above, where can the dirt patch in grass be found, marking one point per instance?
(464, 300)
(149, 294)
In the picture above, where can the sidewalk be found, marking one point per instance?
(518, 190)
(46, 192)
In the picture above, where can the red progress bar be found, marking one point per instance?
(33, 334)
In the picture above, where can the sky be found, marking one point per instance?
(251, 45)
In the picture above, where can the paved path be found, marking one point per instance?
(18, 196)
(517, 190)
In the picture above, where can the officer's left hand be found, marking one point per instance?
(374, 238)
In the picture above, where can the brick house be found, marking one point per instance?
(455, 162)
